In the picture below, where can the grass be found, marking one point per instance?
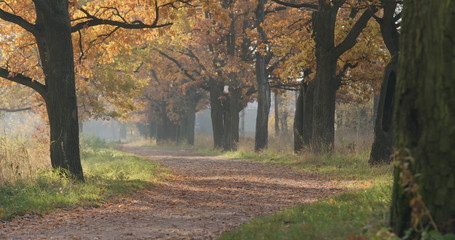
(358, 213)
(108, 173)
(351, 215)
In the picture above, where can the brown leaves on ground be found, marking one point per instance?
(206, 196)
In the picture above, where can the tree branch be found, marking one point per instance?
(95, 21)
(297, 5)
(351, 38)
(185, 72)
(18, 109)
(9, 17)
(24, 80)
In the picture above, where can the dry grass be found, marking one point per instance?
(21, 159)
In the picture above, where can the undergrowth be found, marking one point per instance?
(108, 174)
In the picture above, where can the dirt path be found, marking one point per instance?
(207, 196)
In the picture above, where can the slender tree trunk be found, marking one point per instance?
(56, 53)
(264, 98)
(277, 115)
(298, 122)
(382, 148)
(242, 126)
(425, 117)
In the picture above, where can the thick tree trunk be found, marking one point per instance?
(382, 148)
(56, 53)
(425, 116)
(216, 112)
(325, 87)
(307, 127)
(264, 98)
(191, 122)
(262, 118)
(166, 129)
(325, 84)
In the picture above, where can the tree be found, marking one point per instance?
(328, 49)
(48, 26)
(264, 98)
(213, 53)
(382, 148)
(423, 191)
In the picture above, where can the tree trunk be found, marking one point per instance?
(382, 148)
(325, 82)
(298, 122)
(425, 116)
(307, 127)
(191, 121)
(264, 98)
(262, 118)
(56, 53)
(277, 115)
(216, 113)
(325, 87)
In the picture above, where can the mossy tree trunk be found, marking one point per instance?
(425, 112)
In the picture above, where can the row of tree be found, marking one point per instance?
(226, 53)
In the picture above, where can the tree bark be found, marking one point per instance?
(325, 87)
(56, 52)
(264, 98)
(307, 130)
(298, 122)
(216, 113)
(326, 82)
(191, 121)
(382, 148)
(425, 115)
(231, 119)
(277, 115)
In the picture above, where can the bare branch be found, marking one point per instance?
(24, 80)
(19, 109)
(297, 5)
(185, 72)
(95, 21)
(351, 38)
(9, 17)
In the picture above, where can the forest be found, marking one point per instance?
(227, 119)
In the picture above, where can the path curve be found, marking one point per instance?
(206, 196)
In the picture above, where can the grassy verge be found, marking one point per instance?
(358, 213)
(351, 215)
(108, 173)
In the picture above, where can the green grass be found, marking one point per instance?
(358, 214)
(109, 173)
(361, 211)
